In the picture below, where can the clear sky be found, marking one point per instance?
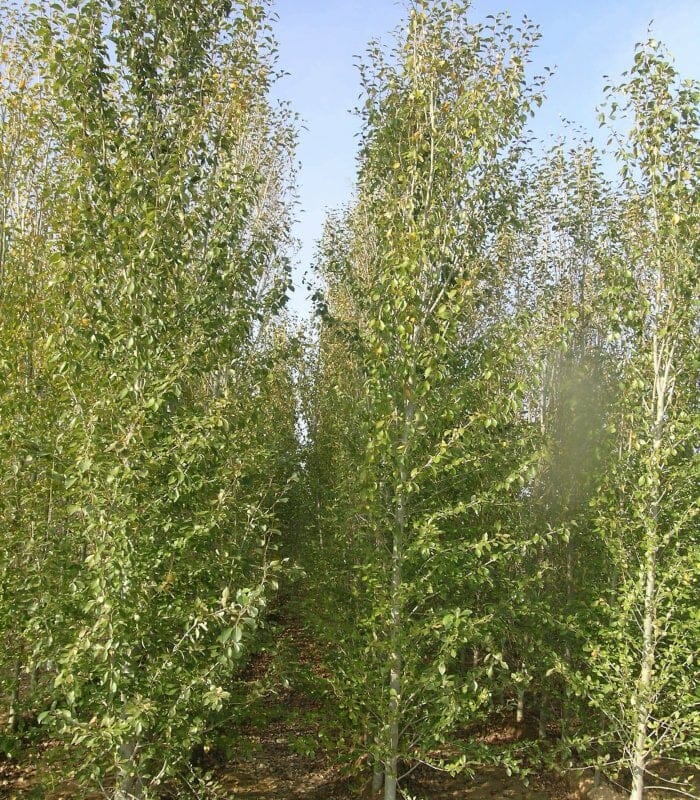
(320, 40)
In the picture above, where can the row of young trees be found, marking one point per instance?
(495, 430)
(147, 439)
(503, 411)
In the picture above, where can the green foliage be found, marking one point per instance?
(480, 394)
(643, 650)
(164, 442)
(421, 417)
(484, 463)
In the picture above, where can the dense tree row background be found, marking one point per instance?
(473, 478)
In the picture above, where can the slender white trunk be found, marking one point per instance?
(644, 694)
(520, 708)
(570, 552)
(542, 721)
(395, 621)
(377, 779)
(391, 763)
(14, 714)
(129, 785)
(644, 685)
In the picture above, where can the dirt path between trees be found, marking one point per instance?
(279, 769)
(288, 758)
(283, 749)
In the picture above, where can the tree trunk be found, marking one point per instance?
(13, 713)
(639, 750)
(391, 763)
(542, 721)
(567, 650)
(377, 780)
(646, 672)
(520, 708)
(395, 621)
(129, 785)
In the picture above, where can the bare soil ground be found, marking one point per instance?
(277, 770)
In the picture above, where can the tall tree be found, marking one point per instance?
(443, 112)
(171, 451)
(28, 415)
(558, 282)
(643, 654)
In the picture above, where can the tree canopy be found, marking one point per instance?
(471, 479)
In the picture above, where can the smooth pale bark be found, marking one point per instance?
(377, 780)
(646, 674)
(567, 649)
(644, 686)
(542, 721)
(394, 717)
(13, 713)
(521, 688)
(661, 397)
(391, 763)
(520, 707)
(129, 784)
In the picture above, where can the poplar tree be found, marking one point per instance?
(559, 259)
(442, 116)
(644, 652)
(172, 446)
(28, 414)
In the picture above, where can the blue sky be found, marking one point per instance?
(320, 40)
